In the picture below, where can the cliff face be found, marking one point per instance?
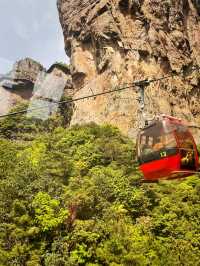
(26, 69)
(114, 42)
(18, 85)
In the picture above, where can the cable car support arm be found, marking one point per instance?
(141, 86)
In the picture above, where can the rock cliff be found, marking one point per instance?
(18, 85)
(115, 42)
(26, 69)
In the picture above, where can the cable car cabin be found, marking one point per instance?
(166, 150)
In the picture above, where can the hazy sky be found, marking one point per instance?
(30, 28)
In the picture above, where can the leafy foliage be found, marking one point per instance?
(48, 215)
(74, 197)
(23, 127)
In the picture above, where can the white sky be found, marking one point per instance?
(30, 28)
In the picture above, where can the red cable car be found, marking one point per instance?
(166, 150)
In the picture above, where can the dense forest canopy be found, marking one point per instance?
(74, 197)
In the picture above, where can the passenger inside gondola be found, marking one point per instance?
(186, 149)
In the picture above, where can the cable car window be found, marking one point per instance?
(186, 146)
(155, 144)
(168, 127)
(184, 137)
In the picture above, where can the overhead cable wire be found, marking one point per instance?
(131, 85)
(68, 101)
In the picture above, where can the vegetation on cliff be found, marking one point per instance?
(73, 197)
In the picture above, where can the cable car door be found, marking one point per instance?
(187, 148)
